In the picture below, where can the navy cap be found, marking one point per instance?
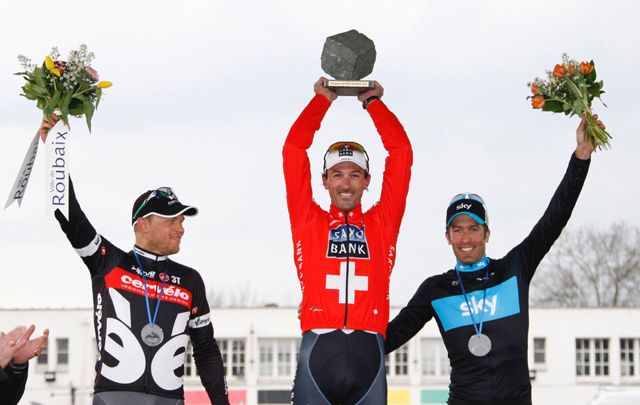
(469, 204)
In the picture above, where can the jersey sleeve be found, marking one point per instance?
(206, 352)
(536, 245)
(297, 172)
(397, 169)
(12, 383)
(410, 320)
(88, 243)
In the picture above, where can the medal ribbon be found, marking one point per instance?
(477, 265)
(146, 294)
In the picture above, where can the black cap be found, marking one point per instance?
(162, 202)
(470, 204)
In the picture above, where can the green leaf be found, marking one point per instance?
(575, 91)
(54, 103)
(98, 96)
(553, 106)
(88, 110)
(76, 108)
(66, 101)
(578, 107)
(591, 77)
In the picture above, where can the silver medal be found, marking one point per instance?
(152, 334)
(479, 345)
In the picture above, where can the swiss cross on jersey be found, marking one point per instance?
(348, 241)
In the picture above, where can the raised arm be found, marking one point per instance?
(397, 169)
(80, 233)
(547, 230)
(297, 172)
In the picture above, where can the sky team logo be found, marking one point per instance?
(348, 241)
(500, 302)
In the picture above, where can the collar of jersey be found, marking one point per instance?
(354, 214)
(148, 255)
(480, 264)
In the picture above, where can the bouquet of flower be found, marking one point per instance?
(70, 87)
(570, 88)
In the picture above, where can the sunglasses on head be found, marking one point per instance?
(346, 145)
(162, 192)
(343, 146)
(467, 196)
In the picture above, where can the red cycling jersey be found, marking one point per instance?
(344, 259)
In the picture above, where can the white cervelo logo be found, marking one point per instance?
(169, 290)
(129, 354)
(489, 305)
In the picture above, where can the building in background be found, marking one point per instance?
(581, 354)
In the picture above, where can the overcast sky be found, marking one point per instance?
(205, 92)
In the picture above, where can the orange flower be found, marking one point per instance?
(586, 68)
(535, 89)
(537, 102)
(572, 68)
(559, 70)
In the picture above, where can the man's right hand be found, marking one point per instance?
(46, 125)
(319, 88)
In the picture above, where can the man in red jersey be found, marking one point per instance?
(344, 256)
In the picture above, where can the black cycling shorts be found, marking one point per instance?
(340, 368)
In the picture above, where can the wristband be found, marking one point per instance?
(18, 368)
(368, 100)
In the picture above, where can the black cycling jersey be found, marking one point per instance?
(340, 368)
(125, 362)
(503, 374)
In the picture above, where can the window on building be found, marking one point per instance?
(435, 361)
(233, 358)
(628, 357)
(62, 346)
(539, 351)
(592, 357)
(43, 358)
(233, 354)
(601, 356)
(188, 361)
(397, 363)
(278, 357)
(237, 357)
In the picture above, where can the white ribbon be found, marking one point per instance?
(24, 174)
(57, 168)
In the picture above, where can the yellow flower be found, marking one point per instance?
(104, 85)
(48, 62)
(55, 71)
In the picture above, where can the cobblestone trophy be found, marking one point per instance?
(348, 57)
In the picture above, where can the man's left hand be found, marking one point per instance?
(584, 147)
(377, 90)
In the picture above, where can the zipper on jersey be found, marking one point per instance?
(346, 291)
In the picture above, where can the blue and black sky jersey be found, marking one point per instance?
(503, 374)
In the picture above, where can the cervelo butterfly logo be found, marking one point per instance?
(348, 241)
(124, 280)
(501, 301)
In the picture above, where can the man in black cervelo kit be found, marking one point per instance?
(146, 306)
(482, 305)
